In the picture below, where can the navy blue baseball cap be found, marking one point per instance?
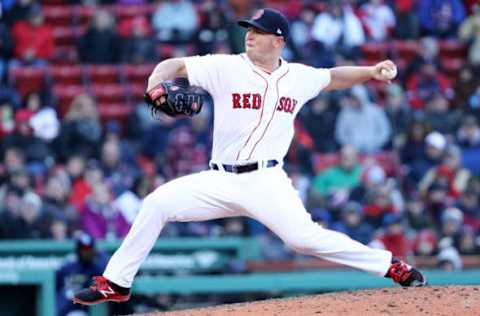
(269, 21)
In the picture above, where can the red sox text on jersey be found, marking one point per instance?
(254, 101)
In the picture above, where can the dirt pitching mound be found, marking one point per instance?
(431, 301)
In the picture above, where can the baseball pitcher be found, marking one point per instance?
(256, 96)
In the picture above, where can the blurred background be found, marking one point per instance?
(393, 166)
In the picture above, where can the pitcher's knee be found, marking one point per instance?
(301, 246)
(155, 206)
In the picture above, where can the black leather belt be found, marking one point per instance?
(244, 168)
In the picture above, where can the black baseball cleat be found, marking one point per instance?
(100, 291)
(405, 275)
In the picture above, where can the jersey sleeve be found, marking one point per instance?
(312, 81)
(205, 71)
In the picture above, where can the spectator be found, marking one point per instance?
(469, 33)
(81, 131)
(440, 17)
(449, 173)
(19, 11)
(425, 243)
(34, 43)
(427, 53)
(55, 202)
(341, 177)
(393, 238)
(378, 19)
(319, 119)
(6, 50)
(339, 30)
(434, 148)
(212, 35)
(175, 21)
(465, 86)
(451, 222)
(469, 204)
(407, 26)
(468, 244)
(417, 215)
(425, 83)
(398, 113)
(10, 212)
(118, 173)
(30, 223)
(77, 273)
(100, 44)
(379, 204)
(99, 218)
(440, 116)
(35, 149)
(353, 225)
(361, 123)
(138, 47)
(468, 135)
(449, 260)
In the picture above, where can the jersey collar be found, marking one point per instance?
(276, 73)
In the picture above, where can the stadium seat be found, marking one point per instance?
(64, 94)
(129, 11)
(136, 92)
(452, 66)
(83, 14)
(58, 15)
(66, 74)
(65, 35)
(452, 49)
(102, 74)
(109, 93)
(137, 73)
(28, 79)
(374, 51)
(406, 50)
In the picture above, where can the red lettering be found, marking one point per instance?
(281, 104)
(288, 105)
(246, 101)
(256, 101)
(294, 105)
(236, 100)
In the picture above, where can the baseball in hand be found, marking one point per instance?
(389, 73)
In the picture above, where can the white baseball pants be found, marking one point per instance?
(266, 195)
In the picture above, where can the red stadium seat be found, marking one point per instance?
(109, 93)
(83, 14)
(406, 50)
(28, 79)
(66, 74)
(103, 73)
(58, 15)
(452, 66)
(375, 51)
(129, 11)
(65, 36)
(452, 49)
(64, 95)
(136, 92)
(137, 73)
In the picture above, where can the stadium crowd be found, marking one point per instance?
(394, 166)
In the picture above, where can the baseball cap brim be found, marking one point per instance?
(248, 23)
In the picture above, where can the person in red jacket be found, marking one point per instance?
(34, 42)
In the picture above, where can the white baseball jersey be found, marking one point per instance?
(253, 110)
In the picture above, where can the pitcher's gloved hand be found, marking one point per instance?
(176, 100)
